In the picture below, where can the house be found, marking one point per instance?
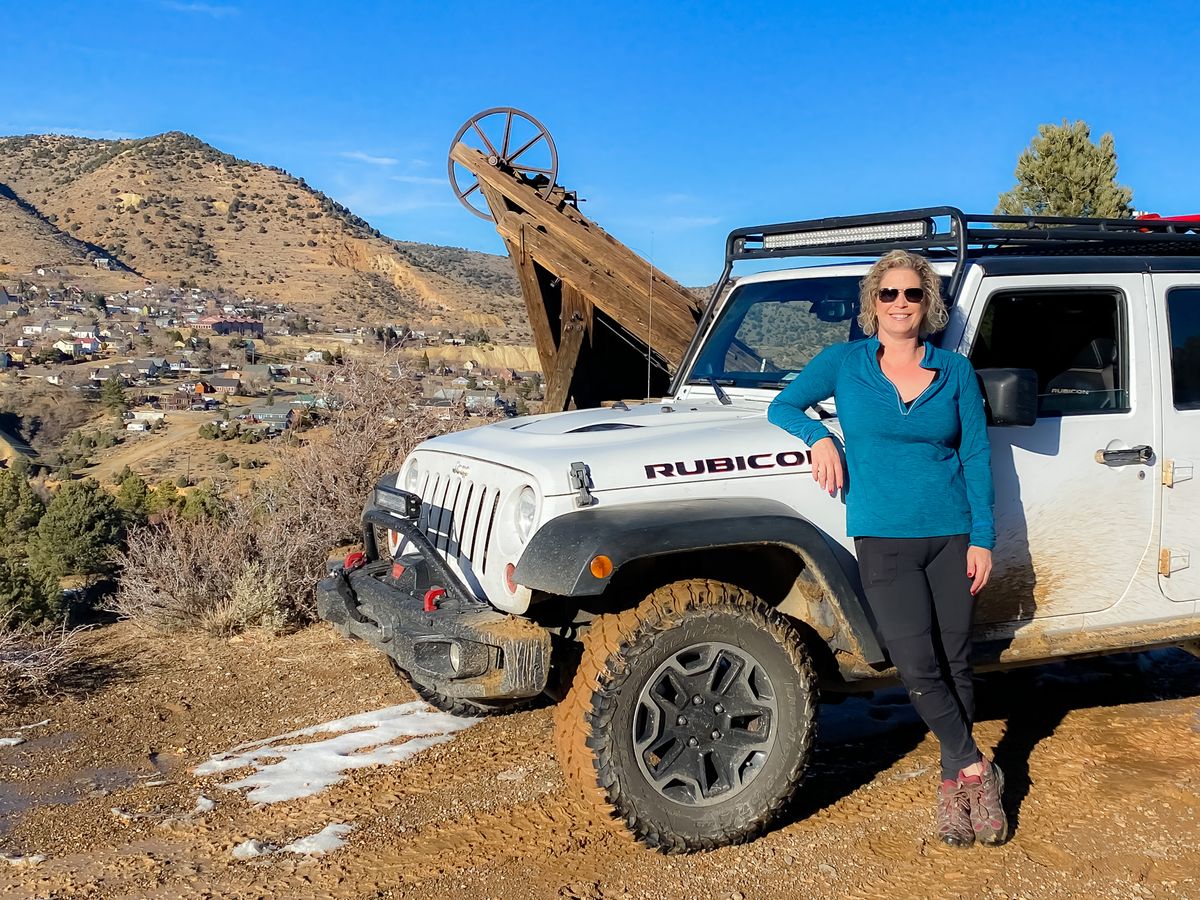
(149, 368)
(480, 401)
(230, 325)
(280, 417)
(35, 330)
(5, 361)
(152, 416)
(77, 348)
(18, 355)
(137, 425)
(102, 262)
(226, 385)
(314, 356)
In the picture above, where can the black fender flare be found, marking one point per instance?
(558, 558)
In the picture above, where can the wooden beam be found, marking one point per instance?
(576, 323)
(565, 242)
(658, 323)
(531, 289)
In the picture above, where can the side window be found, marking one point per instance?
(1074, 340)
(1183, 316)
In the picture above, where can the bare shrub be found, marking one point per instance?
(256, 599)
(259, 564)
(174, 573)
(32, 660)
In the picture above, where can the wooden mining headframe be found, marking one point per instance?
(606, 323)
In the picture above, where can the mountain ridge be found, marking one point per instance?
(171, 207)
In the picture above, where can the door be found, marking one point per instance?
(1178, 301)
(1072, 525)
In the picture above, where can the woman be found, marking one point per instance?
(919, 505)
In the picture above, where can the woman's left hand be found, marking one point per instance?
(979, 568)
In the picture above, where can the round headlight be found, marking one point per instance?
(411, 477)
(524, 513)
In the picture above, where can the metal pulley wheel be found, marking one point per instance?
(511, 140)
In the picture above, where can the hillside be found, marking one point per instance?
(170, 207)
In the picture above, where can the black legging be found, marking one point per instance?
(920, 595)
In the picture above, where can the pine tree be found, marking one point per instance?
(133, 498)
(112, 395)
(24, 596)
(20, 508)
(1062, 173)
(77, 535)
(165, 497)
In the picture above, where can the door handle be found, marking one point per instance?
(1139, 454)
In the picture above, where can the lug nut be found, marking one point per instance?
(697, 700)
(682, 720)
(718, 709)
(716, 735)
(692, 742)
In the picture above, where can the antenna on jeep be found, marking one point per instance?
(650, 322)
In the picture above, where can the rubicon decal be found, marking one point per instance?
(717, 464)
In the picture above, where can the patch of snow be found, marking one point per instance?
(328, 839)
(250, 849)
(288, 771)
(16, 860)
(11, 741)
(203, 805)
(159, 783)
(34, 725)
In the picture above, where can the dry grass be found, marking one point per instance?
(33, 660)
(258, 565)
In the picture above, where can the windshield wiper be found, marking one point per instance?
(715, 384)
(721, 395)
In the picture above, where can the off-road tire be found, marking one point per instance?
(594, 724)
(457, 707)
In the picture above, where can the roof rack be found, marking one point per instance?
(945, 232)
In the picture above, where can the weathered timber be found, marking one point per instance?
(606, 323)
(576, 325)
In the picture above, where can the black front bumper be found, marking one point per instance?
(464, 649)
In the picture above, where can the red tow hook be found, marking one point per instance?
(432, 596)
(355, 560)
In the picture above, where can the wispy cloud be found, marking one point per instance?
(203, 9)
(359, 156)
(678, 198)
(417, 179)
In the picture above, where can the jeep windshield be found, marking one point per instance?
(769, 330)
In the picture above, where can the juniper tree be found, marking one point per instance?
(78, 534)
(1063, 173)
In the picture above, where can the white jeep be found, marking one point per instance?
(674, 563)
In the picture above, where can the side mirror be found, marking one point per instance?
(1011, 395)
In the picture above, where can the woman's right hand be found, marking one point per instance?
(827, 466)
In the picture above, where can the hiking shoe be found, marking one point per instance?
(954, 814)
(987, 805)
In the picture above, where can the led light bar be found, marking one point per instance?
(401, 503)
(891, 231)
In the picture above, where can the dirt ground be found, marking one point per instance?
(1103, 763)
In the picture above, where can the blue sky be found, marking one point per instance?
(676, 122)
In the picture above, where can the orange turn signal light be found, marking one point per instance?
(601, 566)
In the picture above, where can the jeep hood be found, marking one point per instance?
(618, 444)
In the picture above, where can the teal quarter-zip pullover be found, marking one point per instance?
(917, 470)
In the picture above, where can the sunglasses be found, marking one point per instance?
(912, 295)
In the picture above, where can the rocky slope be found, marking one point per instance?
(170, 207)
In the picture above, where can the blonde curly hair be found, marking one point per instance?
(934, 314)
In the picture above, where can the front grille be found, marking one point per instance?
(458, 516)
